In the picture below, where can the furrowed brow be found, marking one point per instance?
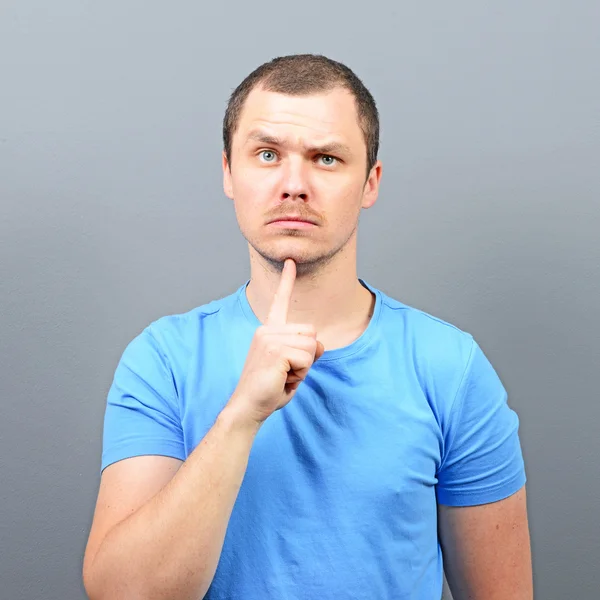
(332, 148)
(263, 138)
(327, 148)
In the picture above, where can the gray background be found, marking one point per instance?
(112, 215)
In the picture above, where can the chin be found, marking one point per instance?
(307, 259)
(298, 256)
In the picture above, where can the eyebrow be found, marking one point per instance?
(328, 148)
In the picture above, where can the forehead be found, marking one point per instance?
(311, 117)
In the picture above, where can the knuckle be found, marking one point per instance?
(305, 344)
(303, 329)
(310, 345)
(307, 359)
(272, 347)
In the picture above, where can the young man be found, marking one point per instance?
(307, 437)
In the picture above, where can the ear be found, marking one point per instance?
(371, 190)
(227, 183)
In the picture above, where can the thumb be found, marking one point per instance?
(320, 350)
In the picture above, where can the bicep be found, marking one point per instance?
(125, 486)
(486, 549)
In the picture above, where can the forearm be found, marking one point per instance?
(170, 547)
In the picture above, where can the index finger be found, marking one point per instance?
(281, 301)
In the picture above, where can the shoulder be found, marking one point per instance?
(437, 351)
(426, 336)
(177, 334)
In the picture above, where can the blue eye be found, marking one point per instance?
(328, 160)
(268, 155)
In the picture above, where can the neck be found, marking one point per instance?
(332, 299)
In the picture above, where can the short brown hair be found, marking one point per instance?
(302, 74)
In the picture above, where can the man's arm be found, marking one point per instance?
(486, 549)
(159, 524)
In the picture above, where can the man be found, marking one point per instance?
(307, 437)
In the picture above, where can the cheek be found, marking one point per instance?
(342, 183)
(246, 193)
(253, 187)
(346, 202)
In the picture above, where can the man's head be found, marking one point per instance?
(300, 133)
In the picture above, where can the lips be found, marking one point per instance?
(294, 218)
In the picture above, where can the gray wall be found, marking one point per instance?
(112, 214)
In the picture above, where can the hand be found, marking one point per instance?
(279, 358)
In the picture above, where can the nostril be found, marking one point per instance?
(286, 195)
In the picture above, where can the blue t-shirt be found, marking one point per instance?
(339, 500)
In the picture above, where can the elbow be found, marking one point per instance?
(100, 587)
(88, 579)
(91, 591)
(93, 586)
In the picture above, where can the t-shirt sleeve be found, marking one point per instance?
(482, 459)
(142, 414)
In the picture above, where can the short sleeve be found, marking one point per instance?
(482, 459)
(142, 414)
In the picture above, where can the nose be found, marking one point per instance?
(294, 185)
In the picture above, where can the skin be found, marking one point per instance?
(486, 548)
(159, 523)
(278, 169)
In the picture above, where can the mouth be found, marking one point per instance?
(292, 222)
